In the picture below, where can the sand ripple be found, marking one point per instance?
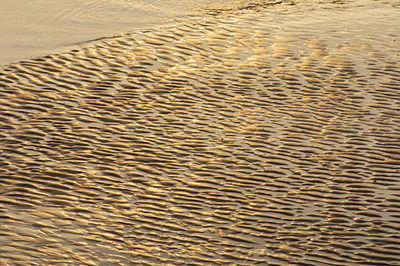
(260, 138)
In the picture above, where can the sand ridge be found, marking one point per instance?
(248, 139)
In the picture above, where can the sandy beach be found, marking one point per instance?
(32, 28)
(254, 134)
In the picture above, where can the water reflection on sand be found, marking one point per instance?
(267, 137)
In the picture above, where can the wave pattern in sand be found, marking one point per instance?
(260, 138)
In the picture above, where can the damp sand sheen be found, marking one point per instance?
(252, 136)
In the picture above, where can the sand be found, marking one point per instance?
(268, 136)
(32, 28)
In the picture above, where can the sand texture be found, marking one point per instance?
(266, 137)
(39, 27)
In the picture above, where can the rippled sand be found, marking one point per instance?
(272, 136)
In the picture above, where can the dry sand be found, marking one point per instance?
(270, 136)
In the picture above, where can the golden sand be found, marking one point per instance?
(269, 137)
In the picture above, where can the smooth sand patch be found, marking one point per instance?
(39, 27)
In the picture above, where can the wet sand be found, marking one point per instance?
(32, 28)
(270, 136)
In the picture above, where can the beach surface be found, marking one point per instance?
(261, 134)
(30, 28)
